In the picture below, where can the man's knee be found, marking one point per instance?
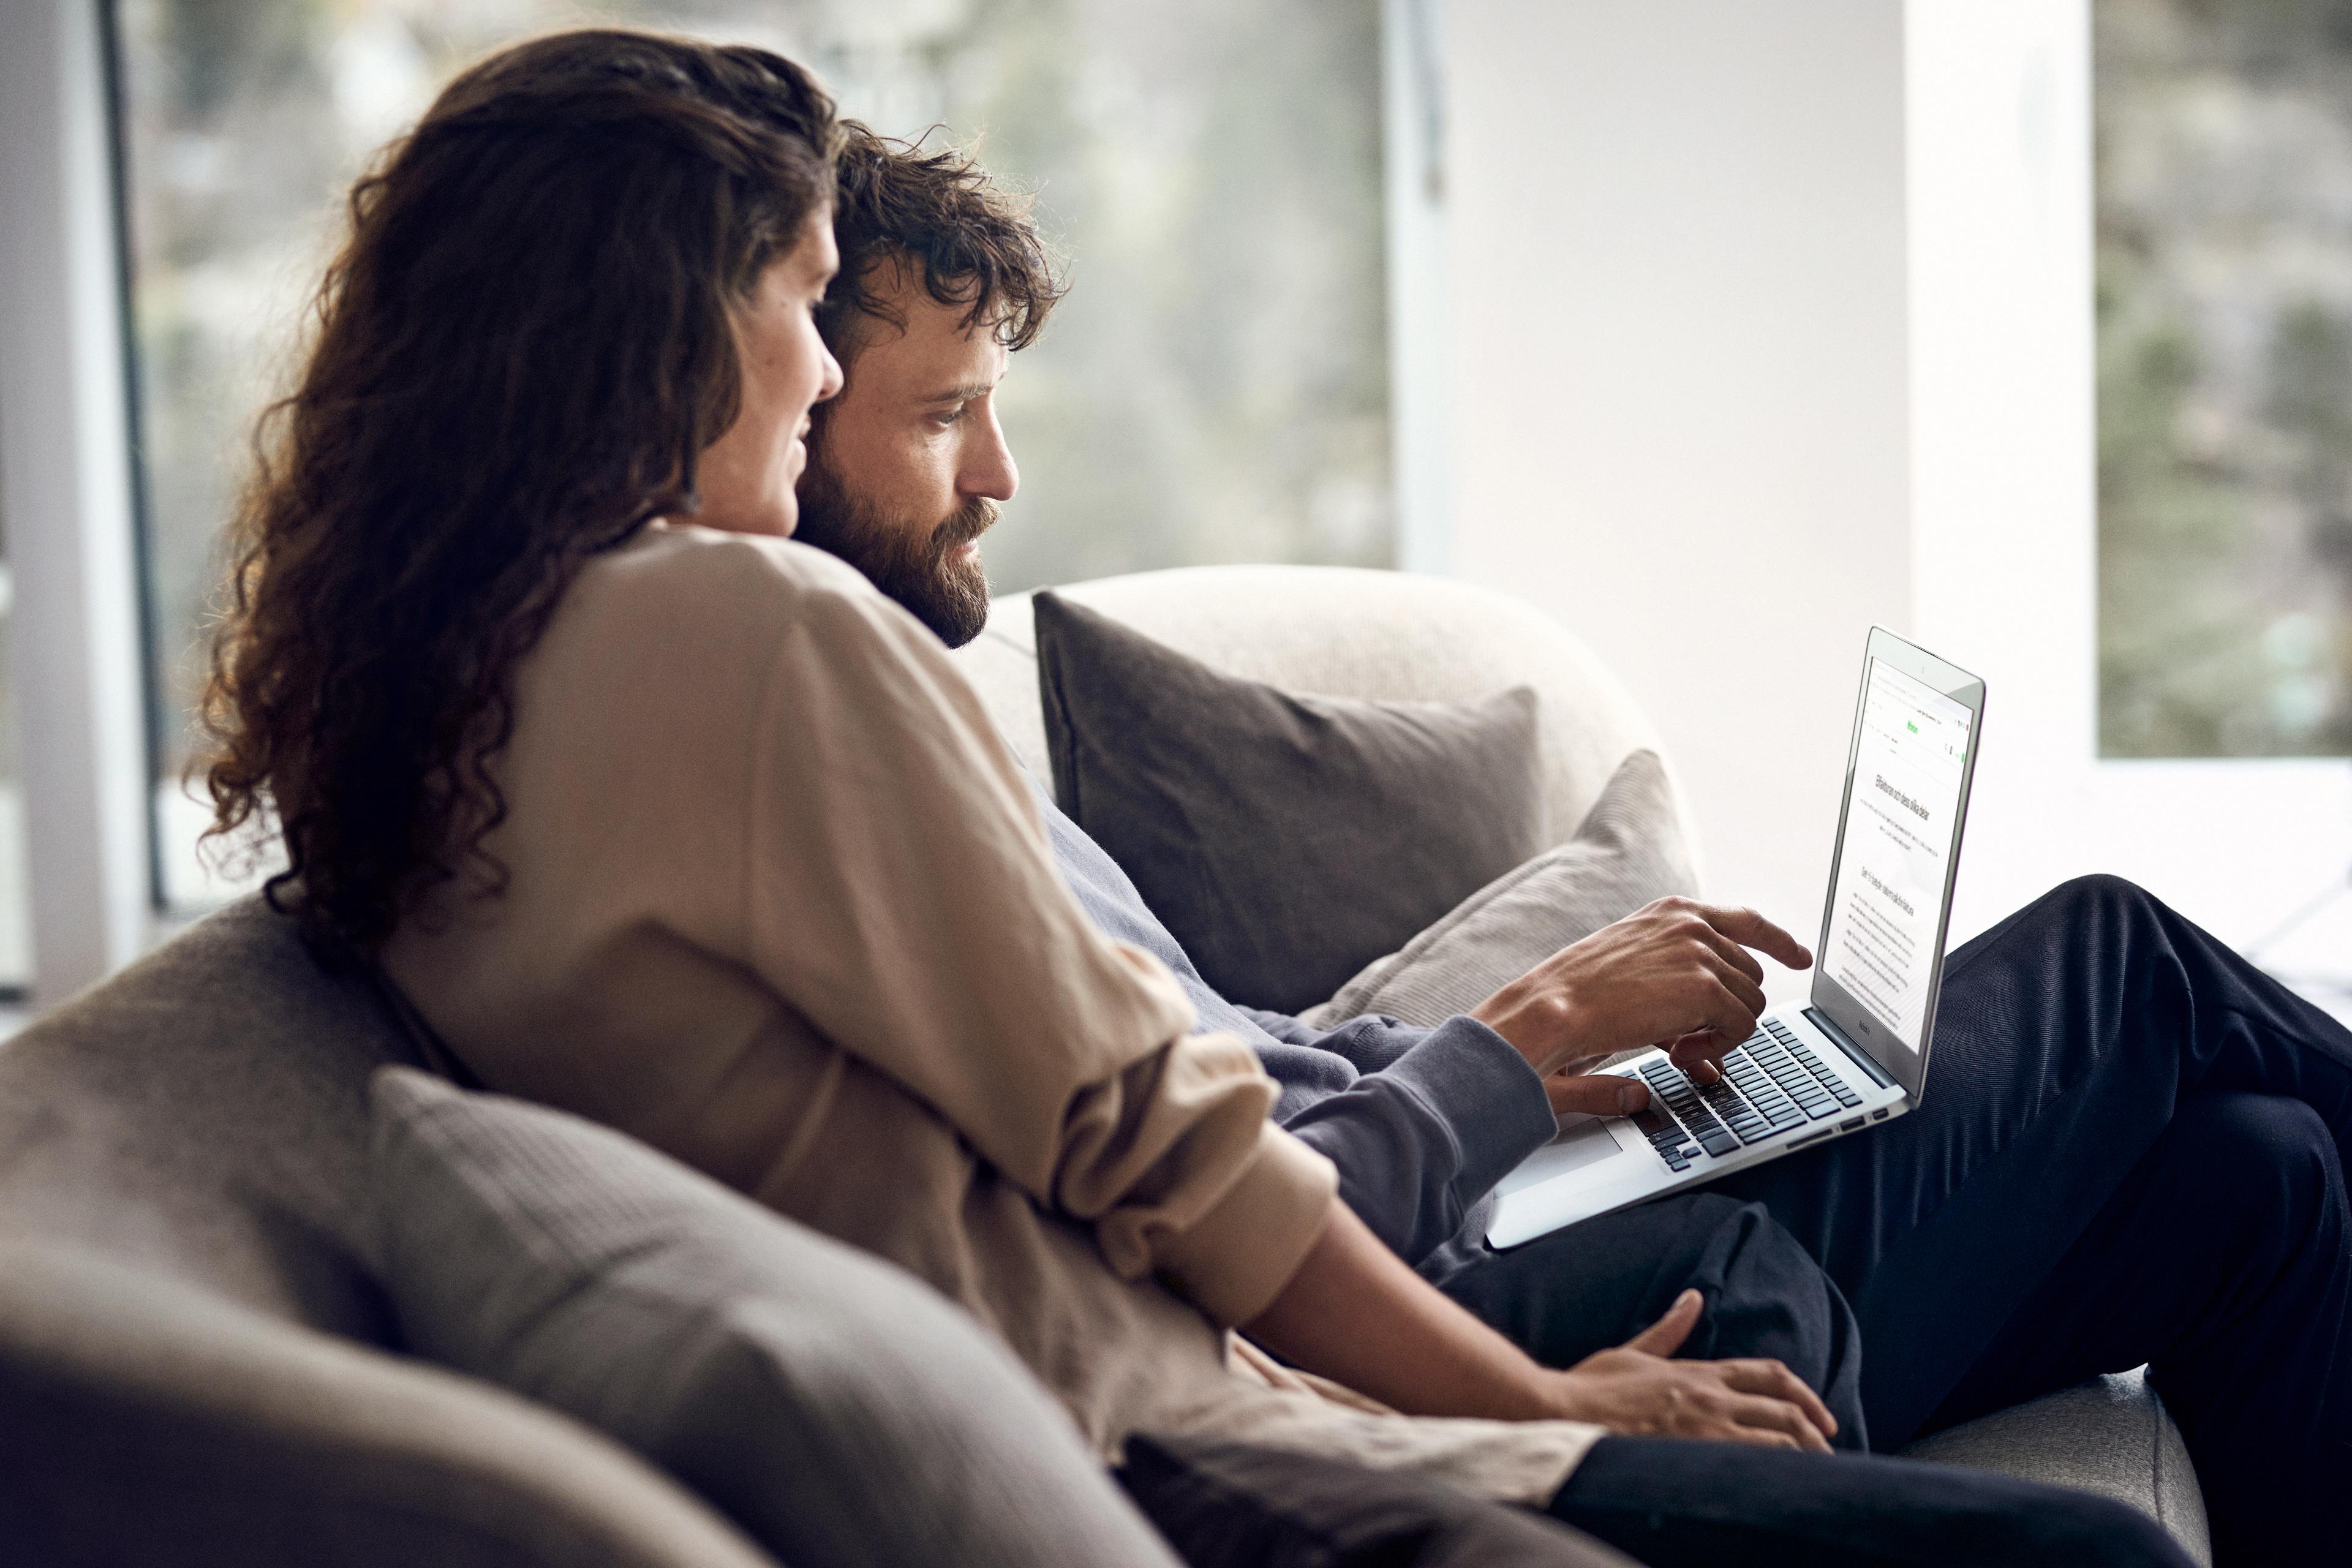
(2081, 897)
(1766, 1295)
(2260, 1155)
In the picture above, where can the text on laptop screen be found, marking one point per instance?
(1888, 902)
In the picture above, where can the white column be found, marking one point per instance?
(2005, 482)
(1676, 256)
(1413, 152)
(65, 493)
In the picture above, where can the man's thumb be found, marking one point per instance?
(1665, 1336)
(1605, 1094)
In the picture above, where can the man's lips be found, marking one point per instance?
(966, 541)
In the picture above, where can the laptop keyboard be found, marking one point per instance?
(1769, 1084)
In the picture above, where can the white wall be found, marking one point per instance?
(1768, 321)
(1678, 384)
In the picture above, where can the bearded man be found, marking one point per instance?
(2140, 1106)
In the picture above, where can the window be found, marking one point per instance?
(2224, 233)
(1215, 388)
(16, 900)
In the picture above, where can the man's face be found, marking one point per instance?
(909, 464)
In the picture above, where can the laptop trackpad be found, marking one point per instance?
(1583, 1141)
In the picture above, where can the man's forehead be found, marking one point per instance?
(928, 343)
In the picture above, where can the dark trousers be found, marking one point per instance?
(2130, 1151)
(1669, 1504)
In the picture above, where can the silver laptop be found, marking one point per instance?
(1857, 1055)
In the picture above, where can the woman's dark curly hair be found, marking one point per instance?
(517, 358)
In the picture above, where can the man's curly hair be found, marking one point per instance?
(975, 242)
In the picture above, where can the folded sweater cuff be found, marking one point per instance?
(1235, 1261)
(1485, 1094)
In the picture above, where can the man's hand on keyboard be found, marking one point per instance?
(1678, 971)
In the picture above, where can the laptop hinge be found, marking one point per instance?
(1839, 1039)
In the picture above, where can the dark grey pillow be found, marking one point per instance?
(1285, 840)
(1629, 851)
(834, 1405)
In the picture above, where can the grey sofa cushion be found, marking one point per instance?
(834, 1405)
(1629, 851)
(2110, 1436)
(145, 1422)
(204, 1115)
(1285, 840)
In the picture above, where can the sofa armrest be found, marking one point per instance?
(143, 1422)
(2111, 1435)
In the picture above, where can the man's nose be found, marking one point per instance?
(992, 473)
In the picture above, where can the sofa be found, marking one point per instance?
(198, 1360)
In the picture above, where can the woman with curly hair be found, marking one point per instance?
(659, 816)
(654, 814)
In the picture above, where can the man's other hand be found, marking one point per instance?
(1637, 1391)
(1678, 971)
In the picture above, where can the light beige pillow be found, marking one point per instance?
(1628, 851)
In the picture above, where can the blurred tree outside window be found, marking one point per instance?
(1214, 388)
(2224, 234)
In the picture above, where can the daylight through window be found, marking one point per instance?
(1215, 387)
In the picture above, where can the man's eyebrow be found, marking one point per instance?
(963, 392)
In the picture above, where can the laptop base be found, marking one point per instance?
(1599, 1164)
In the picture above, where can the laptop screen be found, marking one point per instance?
(1903, 803)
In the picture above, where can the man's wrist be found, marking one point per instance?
(1539, 1022)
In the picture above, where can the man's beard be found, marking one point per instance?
(946, 591)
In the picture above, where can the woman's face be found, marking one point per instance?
(748, 474)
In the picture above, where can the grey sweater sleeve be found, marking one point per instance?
(1437, 1118)
(1421, 1122)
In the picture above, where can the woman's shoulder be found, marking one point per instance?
(665, 648)
(713, 567)
(672, 583)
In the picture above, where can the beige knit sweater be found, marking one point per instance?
(779, 903)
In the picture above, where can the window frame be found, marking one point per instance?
(77, 498)
(67, 487)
